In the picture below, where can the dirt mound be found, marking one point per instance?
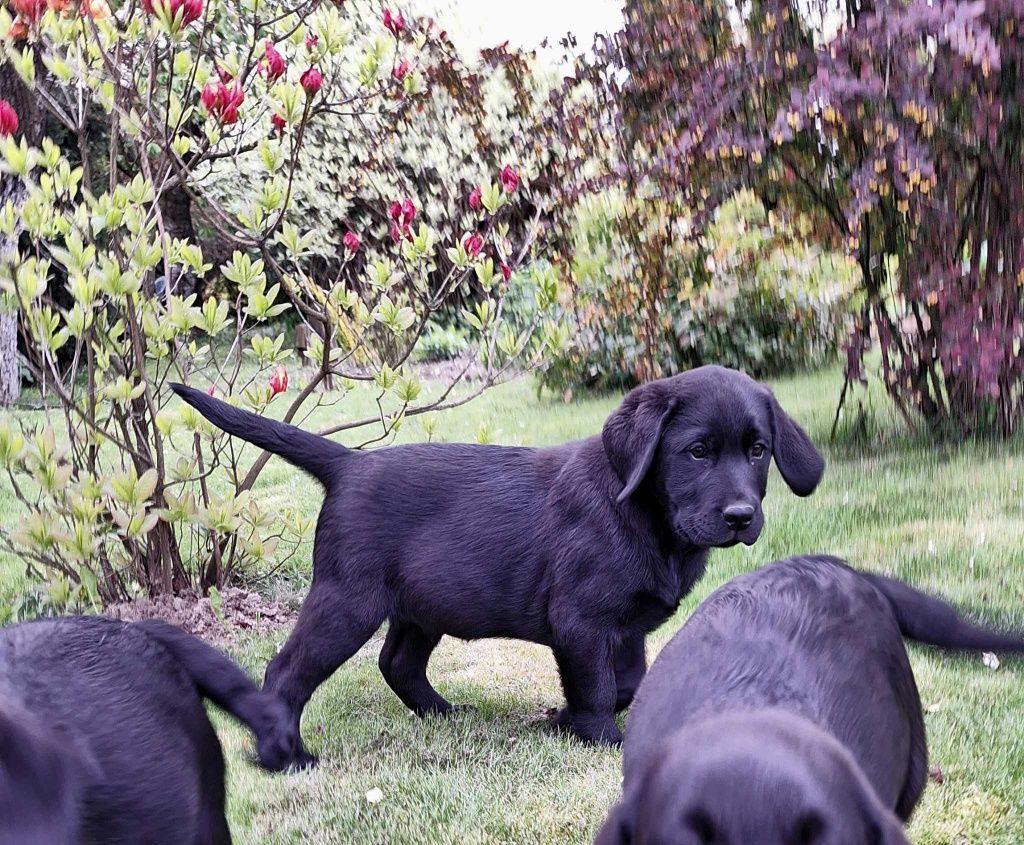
(237, 611)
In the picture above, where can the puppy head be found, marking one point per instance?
(765, 777)
(40, 782)
(703, 441)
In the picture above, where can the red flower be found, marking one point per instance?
(278, 381)
(19, 29)
(476, 199)
(8, 118)
(473, 244)
(210, 98)
(401, 69)
(408, 212)
(272, 64)
(224, 74)
(394, 23)
(191, 10)
(29, 10)
(509, 179)
(402, 214)
(312, 39)
(351, 241)
(278, 123)
(221, 101)
(312, 81)
(506, 271)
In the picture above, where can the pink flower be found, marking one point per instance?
(279, 123)
(509, 179)
(210, 391)
(351, 242)
(224, 74)
(473, 244)
(312, 39)
(278, 381)
(312, 81)
(506, 271)
(400, 71)
(272, 64)
(476, 200)
(396, 233)
(395, 211)
(394, 23)
(8, 118)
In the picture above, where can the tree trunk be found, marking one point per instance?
(12, 189)
(176, 208)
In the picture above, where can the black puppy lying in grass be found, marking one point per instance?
(785, 712)
(104, 738)
(584, 547)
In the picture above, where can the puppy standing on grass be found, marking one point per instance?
(785, 712)
(584, 547)
(104, 738)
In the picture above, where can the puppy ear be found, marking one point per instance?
(618, 826)
(632, 433)
(800, 463)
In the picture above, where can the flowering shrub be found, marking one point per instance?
(895, 128)
(124, 489)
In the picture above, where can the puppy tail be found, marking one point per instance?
(315, 454)
(219, 679)
(935, 622)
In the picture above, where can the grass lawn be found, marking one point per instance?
(949, 520)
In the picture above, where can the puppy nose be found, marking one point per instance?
(738, 517)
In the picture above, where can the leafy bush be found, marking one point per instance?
(124, 489)
(760, 300)
(441, 343)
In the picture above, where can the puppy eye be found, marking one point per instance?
(699, 451)
(758, 450)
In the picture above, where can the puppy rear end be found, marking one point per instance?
(127, 701)
(40, 781)
(220, 680)
(819, 645)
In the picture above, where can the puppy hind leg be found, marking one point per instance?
(211, 825)
(403, 663)
(333, 625)
(630, 668)
(588, 678)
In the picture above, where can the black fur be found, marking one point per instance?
(584, 547)
(105, 738)
(786, 706)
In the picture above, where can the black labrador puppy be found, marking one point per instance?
(104, 737)
(785, 711)
(584, 547)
